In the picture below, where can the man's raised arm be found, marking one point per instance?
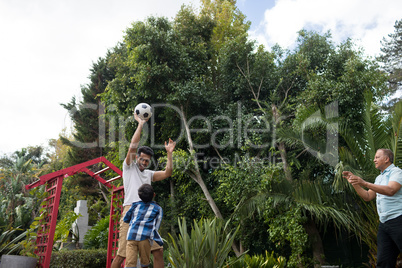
(135, 140)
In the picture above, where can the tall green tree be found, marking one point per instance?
(89, 137)
(392, 57)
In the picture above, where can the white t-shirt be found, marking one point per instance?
(133, 178)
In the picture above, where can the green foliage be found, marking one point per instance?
(34, 153)
(9, 241)
(97, 236)
(28, 245)
(187, 199)
(79, 258)
(247, 177)
(98, 208)
(260, 261)
(341, 74)
(284, 204)
(287, 229)
(72, 192)
(391, 57)
(87, 142)
(206, 246)
(63, 227)
(17, 205)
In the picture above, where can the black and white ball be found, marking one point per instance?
(143, 110)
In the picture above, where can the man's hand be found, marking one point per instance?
(139, 120)
(353, 179)
(170, 146)
(347, 175)
(161, 175)
(357, 184)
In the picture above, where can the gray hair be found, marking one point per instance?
(388, 153)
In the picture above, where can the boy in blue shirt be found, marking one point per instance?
(144, 218)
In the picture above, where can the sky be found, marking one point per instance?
(47, 47)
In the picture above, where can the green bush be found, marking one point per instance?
(97, 237)
(260, 261)
(9, 241)
(81, 258)
(207, 245)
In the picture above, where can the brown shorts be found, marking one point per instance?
(123, 236)
(138, 247)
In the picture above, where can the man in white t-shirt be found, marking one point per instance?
(135, 174)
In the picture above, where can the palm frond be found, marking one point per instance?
(320, 202)
(396, 135)
(355, 154)
(247, 207)
(367, 132)
(317, 134)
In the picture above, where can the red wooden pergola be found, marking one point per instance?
(53, 183)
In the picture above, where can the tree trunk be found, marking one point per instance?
(196, 176)
(316, 242)
(281, 146)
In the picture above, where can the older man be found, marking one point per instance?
(387, 190)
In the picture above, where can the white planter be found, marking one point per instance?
(16, 261)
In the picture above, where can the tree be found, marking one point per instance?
(89, 137)
(19, 206)
(90, 124)
(35, 153)
(392, 57)
(315, 77)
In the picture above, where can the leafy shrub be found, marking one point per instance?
(206, 246)
(286, 229)
(97, 236)
(28, 245)
(260, 261)
(63, 227)
(82, 258)
(9, 241)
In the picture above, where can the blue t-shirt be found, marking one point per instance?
(389, 207)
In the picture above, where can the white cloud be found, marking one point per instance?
(47, 48)
(365, 21)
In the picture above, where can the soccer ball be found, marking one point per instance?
(143, 110)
